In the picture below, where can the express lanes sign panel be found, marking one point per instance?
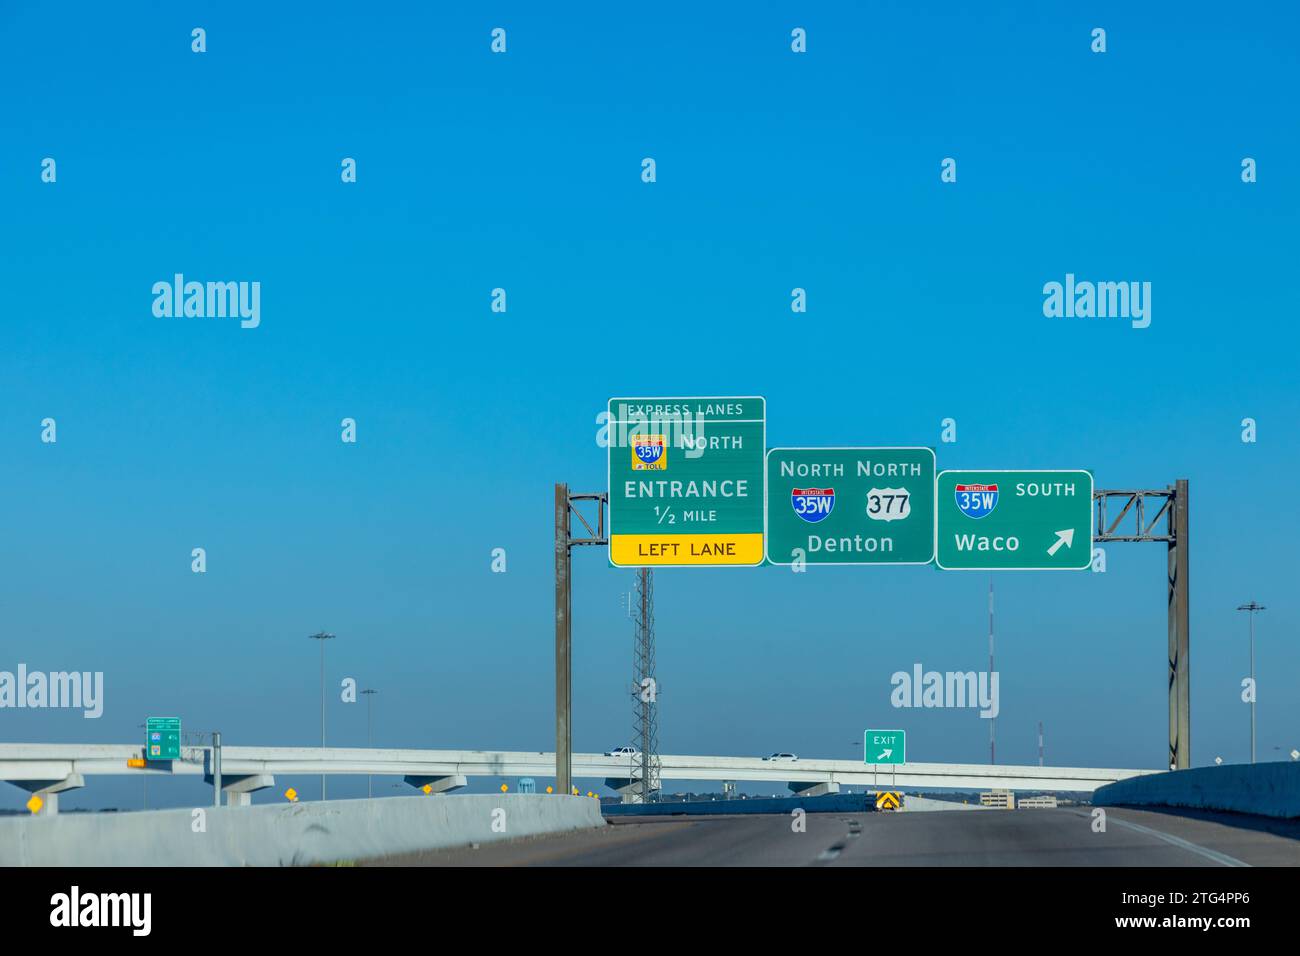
(686, 481)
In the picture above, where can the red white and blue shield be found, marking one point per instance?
(976, 501)
(812, 504)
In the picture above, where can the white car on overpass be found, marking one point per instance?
(783, 757)
(630, 752)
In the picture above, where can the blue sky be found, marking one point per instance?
(775, 170)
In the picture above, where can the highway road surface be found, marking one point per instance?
(1060, 837)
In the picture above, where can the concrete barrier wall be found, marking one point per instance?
(288, 834)
(926, 804)
(827, 803)
(1266, 789)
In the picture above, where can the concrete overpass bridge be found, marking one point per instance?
(49, 769)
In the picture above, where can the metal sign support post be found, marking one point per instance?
(564, 543)
(1173, 503)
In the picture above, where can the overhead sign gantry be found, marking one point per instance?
(691, 484)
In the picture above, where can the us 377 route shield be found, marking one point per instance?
(1014, 520)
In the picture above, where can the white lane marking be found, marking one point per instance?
(1221, 858)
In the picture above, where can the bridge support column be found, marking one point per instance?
(629, 790)
(804, 788)
(49, 790)
(239, 790)
(443, 784)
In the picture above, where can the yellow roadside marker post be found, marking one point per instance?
(291, 795)
(35, 803)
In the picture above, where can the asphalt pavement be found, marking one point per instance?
(1061, 837)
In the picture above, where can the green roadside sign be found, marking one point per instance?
(997, 520)
(850, 505)
(686, 481)
(884, 746)
(162, 738)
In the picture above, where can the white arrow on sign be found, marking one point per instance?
(1065, 537)
(885, 753)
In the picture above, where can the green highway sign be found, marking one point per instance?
(850, 505)
(884, 746)
(162, 738)
(1014, 520)
(686, 481)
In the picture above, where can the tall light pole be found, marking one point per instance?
(1252, 607)
(145, 775)
(322, 637)
(370, 734)
(993, 754)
